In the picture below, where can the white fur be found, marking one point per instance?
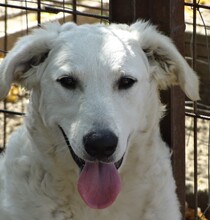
(38, 175)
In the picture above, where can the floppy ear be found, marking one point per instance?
(20, 64)
(167, 64)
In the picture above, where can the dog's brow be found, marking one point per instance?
(67, 75)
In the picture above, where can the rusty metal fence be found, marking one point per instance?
(18, 18)
(197, 52)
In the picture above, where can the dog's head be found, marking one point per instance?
(98, 85)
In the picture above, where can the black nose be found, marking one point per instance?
(100, 144)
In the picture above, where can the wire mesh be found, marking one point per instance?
(197, 17)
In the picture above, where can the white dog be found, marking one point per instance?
(91, 136)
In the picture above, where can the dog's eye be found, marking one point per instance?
(126, 82)
(68, 82)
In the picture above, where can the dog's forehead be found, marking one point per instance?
(101, 33)
(95, 39)
(91, 47)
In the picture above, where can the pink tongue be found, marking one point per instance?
(99, 184)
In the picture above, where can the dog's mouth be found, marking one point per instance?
(99, 183)
(79, 161)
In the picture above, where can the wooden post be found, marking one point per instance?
(169, 16)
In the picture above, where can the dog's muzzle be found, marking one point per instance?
(99, 182)
(99, 145)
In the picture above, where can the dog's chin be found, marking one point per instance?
(81, 162)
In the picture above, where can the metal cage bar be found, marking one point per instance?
(198, 110)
